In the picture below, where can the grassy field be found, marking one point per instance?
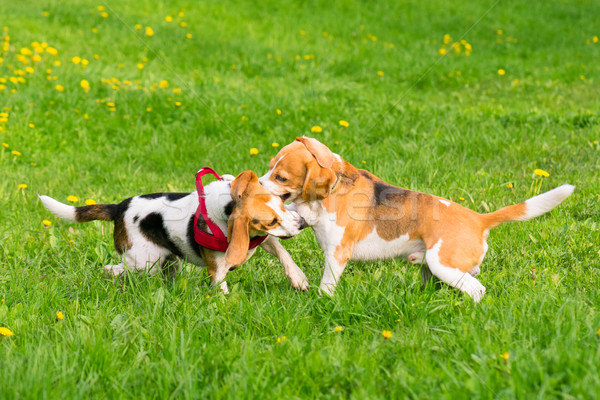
(106, 100)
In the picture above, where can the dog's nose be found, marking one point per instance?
(302, 223)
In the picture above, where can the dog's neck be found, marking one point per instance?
(218, 203)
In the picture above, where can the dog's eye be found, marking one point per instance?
(272, 222)
(280, 178)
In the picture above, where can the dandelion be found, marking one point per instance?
(59, 315)
(177, 91)
(337, 329)
(140, 66)
(316, 129)
(149, 109)
(183, 24)
(46, 222)
(275, 144)
(168, 18)
(505, 356)
(253, 151)
(90, 202)
(278, 111)
(15, 153)
(104, 14)
(138, 26)
(541, 172)
(60, 88)
(21, 186)
(244, 118)
(72, 199)
(5, 145)
(57, 63)
(461, 198)
(149, 31)
(5, 332)
(207, 296)
(163, 84)
(84, 62)
(345, 124)
(85, 85)
(447, 38)
(499, 32)
(188, 35)
(387, 334)
(31, 126)
(76, 60)
(501, 72)
(178, 103)
(380, 73)
(582, 77)
(442, 51)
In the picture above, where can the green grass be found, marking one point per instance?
(420, 125)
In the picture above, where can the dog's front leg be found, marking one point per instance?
(292, 271)
(217, 270)
(334, 267)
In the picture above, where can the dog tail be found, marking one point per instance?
(104, 212)
(534, 207)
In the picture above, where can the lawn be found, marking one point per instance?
(109, 99)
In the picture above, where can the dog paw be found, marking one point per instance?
(114, 270)
(299, 281)
(327, 288)
(478, 293)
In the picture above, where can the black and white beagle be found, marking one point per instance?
(153, 231)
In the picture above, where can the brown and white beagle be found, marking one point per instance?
(357, 216)
(155, 231)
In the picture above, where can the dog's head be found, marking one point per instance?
(256, 212)
(301, 170)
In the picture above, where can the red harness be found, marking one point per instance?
(217, 241)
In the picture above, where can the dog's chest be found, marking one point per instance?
(373, 247)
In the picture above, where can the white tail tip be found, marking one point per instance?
(59, 209)
(545, 202)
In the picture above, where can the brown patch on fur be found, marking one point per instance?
(103, 212)
(121, 237)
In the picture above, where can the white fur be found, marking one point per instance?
(59, 209)
(373, 247)
(545, 202)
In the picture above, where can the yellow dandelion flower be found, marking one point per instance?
(76, 60)
(72, 199)
(5, 332)
(163, 84)
(447, 38)
(541, 172)
(177, 91)
(509, 185)
(188, 35)
(278, 111)
(181, 14)
(22, 186)
(505, 356)
(278, 340)
(442, 51)
(138, 26)
(337, 329)
(275, 144)
(316, 129)
(253, 151)
(59, 315)
(149, 31)
(380, 73)
(582, 77)
(60, 88)
(5, 145)
(29, 70)
(178, 103)
(84, 62)
(149, 109)
(345, 124)
(183, 24)
(104, 14)
(140, 66)
(85, 85)
(57, 63)
(499, 32)
(100, 8)
(90, 202)
(15, 153)
(168, 18)
(461, 198)
(31, 125)
(46, 222)
(387, 334)
(501, 72)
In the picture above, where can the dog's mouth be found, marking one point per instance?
(285, 237)
(286, 196)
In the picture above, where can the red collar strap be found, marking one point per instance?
(217, 241)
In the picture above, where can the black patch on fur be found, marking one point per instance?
(135, 219)
(169, 196)
(153, 228)
(229, 208)
(102, 212)
(388, 195)
(365, 174)
(190, 235)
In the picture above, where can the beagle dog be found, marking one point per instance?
(155, 231)
(357, 216)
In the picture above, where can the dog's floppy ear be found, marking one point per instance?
(320, 152)
(238, 237)
(318, 182)
(239, 185)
